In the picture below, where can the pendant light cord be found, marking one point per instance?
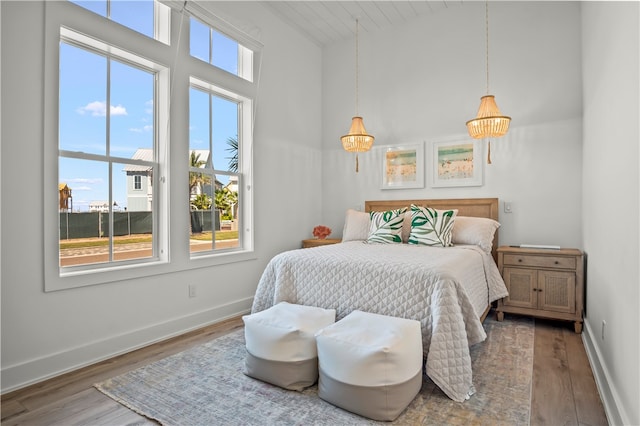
(487, 35)
(486, 17)
(357, 65)
(357, 72)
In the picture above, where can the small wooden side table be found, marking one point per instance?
(317, 242)
(543, 283)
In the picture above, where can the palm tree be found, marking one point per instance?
(201, 202)
(196, 179)
(225, 200)
(222, 201)
(233, 149)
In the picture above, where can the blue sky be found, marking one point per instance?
(83, 107)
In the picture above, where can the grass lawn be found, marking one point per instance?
(132, 239)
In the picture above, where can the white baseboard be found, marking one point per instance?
(37, 370)
(608, 394)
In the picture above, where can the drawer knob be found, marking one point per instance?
(519, 260)
(556, 262)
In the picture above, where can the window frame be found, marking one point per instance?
(244, 173)
(249, 49)
(173, 252)
(161, 20)
(88, 274)
(111, 53)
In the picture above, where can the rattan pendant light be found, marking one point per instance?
(357, 140)
(489, 123)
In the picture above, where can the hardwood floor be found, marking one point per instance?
(563, 390)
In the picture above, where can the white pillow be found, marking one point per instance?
(357, 223)
(356, 226)
(477, 231)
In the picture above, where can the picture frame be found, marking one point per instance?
(403, 166)
(456, 163)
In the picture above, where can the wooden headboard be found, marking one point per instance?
(475, 207)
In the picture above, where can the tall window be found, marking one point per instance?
(219, 145)
(215, 171)
(106, 117)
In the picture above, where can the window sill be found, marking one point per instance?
(77, 279)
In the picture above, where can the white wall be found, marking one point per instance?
(424, 80)
(46, 333)
(611, 56)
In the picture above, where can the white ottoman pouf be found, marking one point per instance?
(281, 344)
(370, 364)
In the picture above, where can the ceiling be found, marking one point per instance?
(326, 22)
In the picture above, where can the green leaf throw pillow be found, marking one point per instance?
(386, 227)
(431, 227)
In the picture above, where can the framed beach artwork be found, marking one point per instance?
(456, 163)
(403, 166)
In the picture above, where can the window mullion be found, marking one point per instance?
(110, 212)
(210, 162)
(211, 45)
(108, 151)
(211, 169)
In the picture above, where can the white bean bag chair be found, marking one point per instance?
(370, 364)
(281, 344)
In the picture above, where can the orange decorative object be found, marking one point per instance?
(321, 232)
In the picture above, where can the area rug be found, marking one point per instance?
(205, 386)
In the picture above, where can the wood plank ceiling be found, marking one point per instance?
(326, 22)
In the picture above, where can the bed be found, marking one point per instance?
(448, 289)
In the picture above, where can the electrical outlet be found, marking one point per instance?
(604, 325)
(192, 290)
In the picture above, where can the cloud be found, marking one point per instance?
(86, 181)
(146, 128)
(118, 110)
(99, 109)
(149, 107)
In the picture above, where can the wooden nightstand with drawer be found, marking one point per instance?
(543, 283)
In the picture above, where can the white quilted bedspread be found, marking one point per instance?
(428, 284)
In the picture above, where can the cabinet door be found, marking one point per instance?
(557, 291)
(521, 284)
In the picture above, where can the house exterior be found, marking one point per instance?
(64, 195)
(139, 182)
(99, 206)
